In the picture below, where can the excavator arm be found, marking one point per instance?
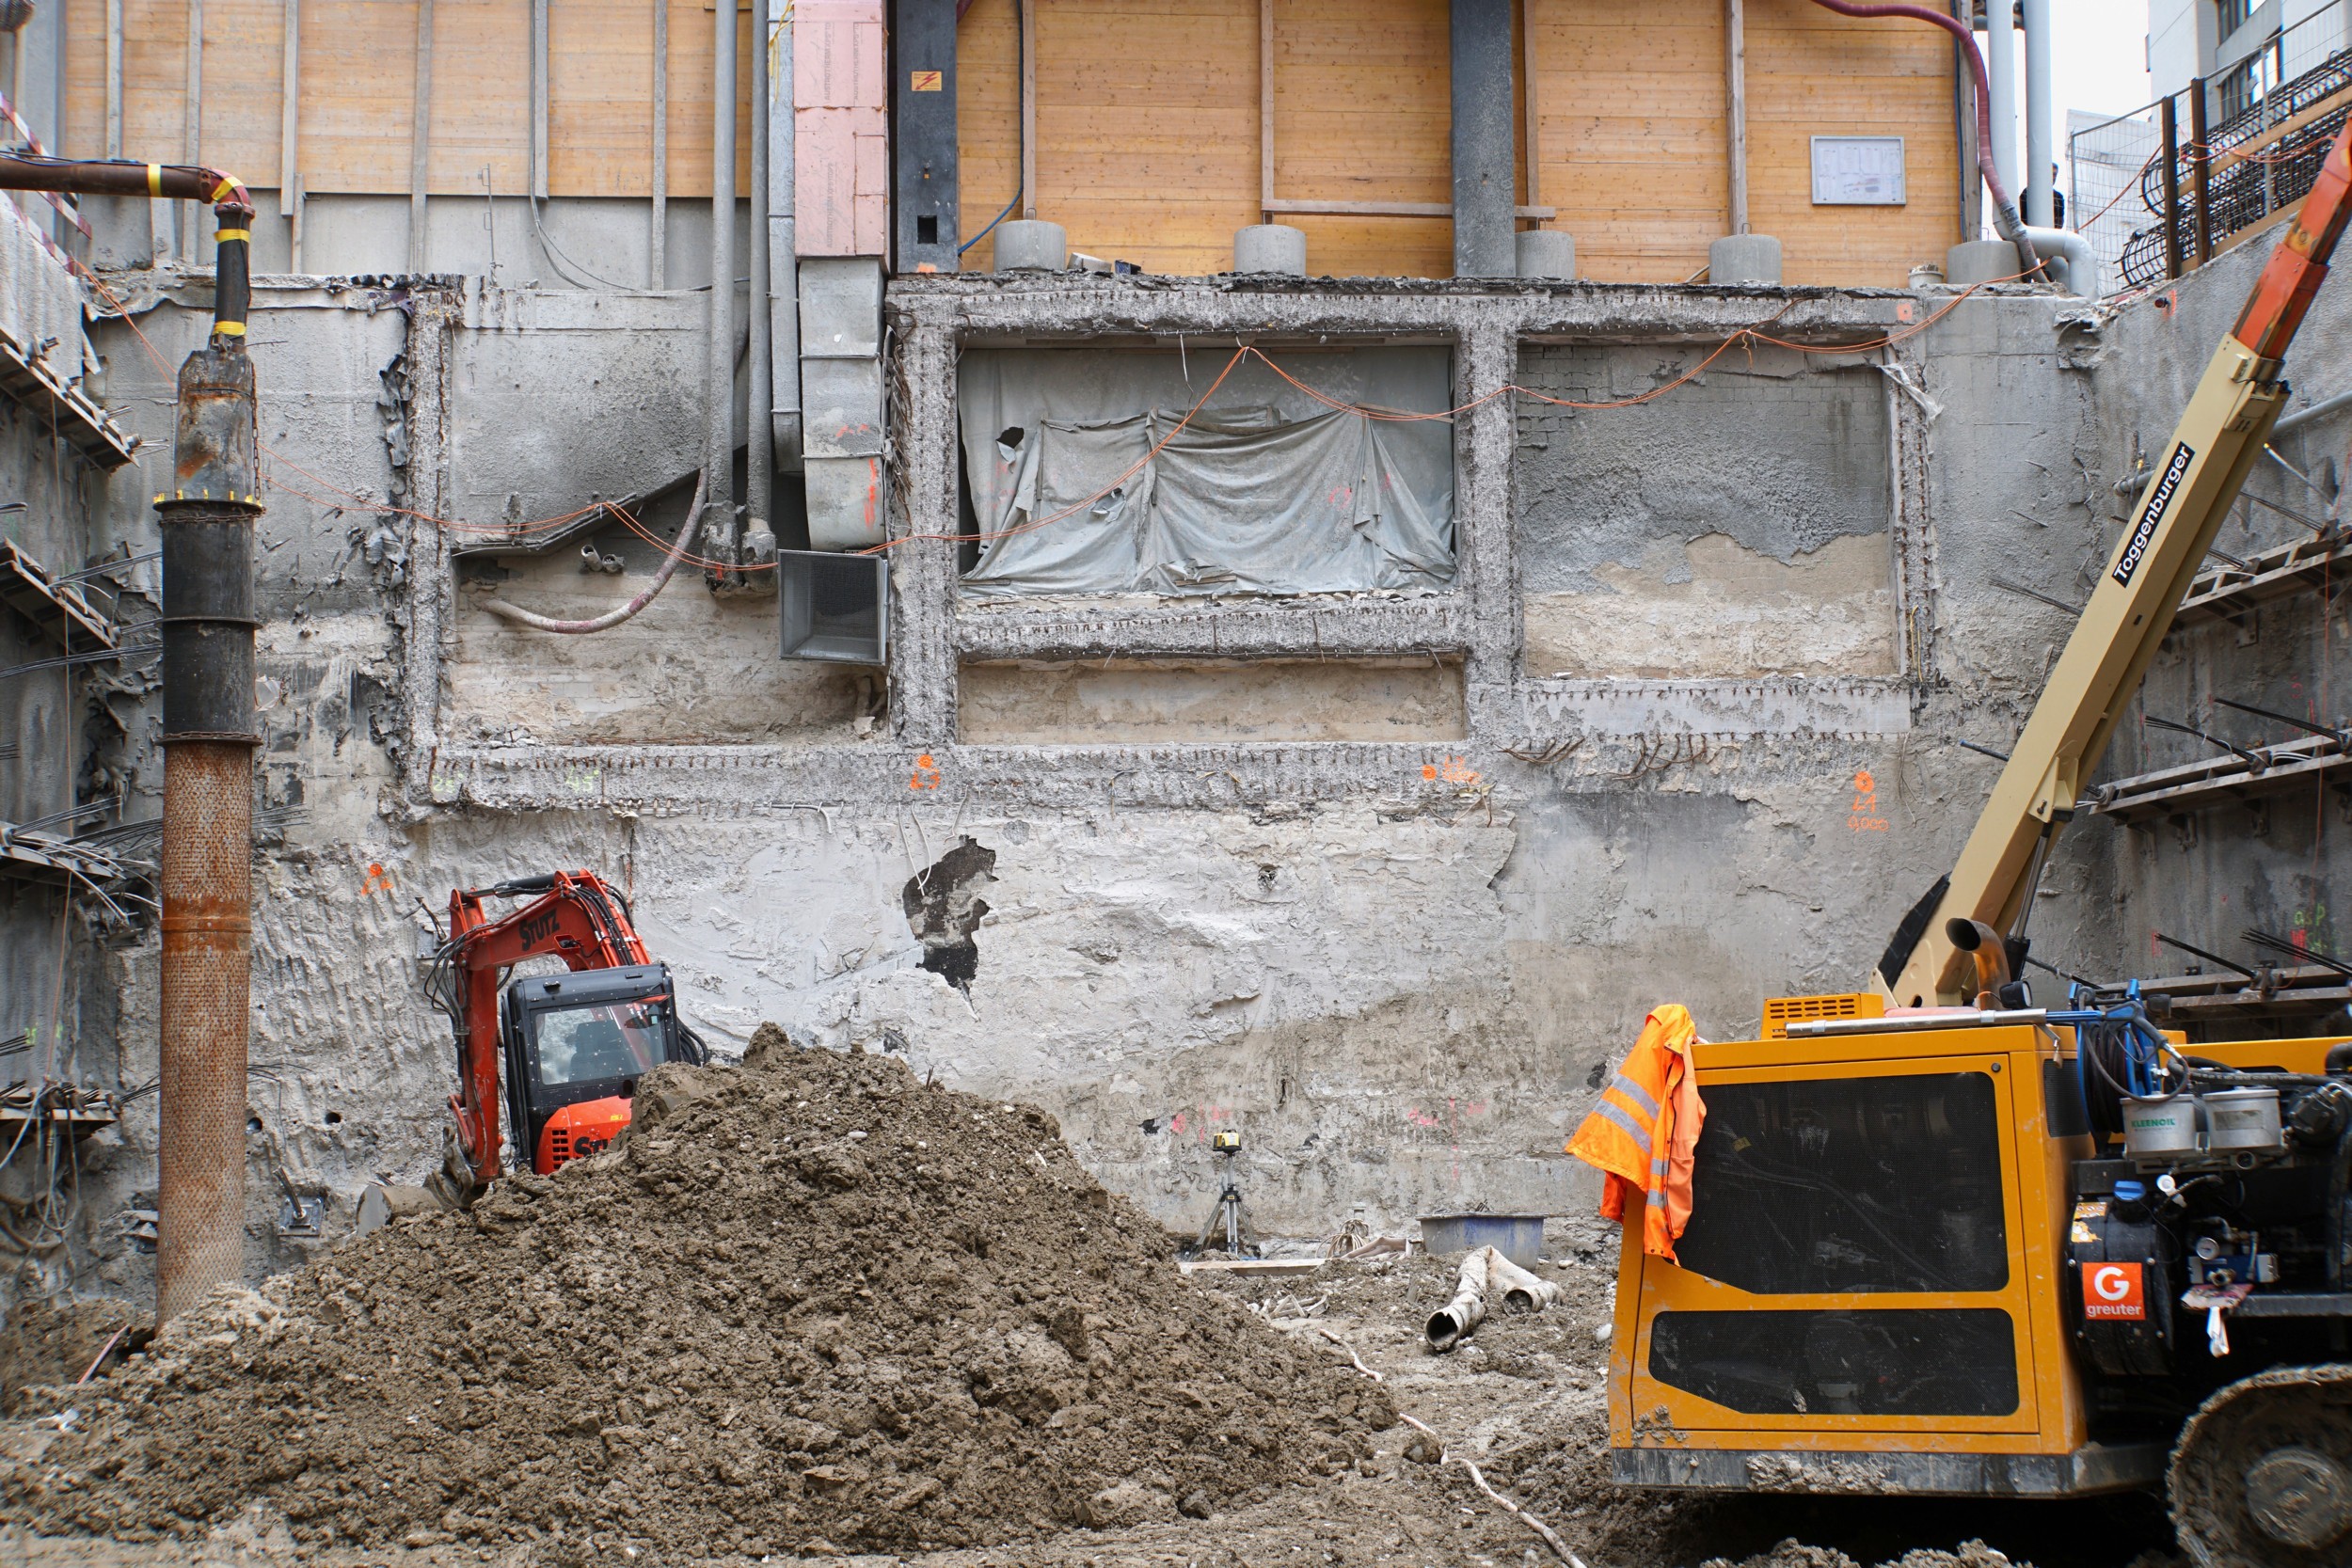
(2220, 436)
(572, 915)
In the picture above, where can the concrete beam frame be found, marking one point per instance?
(932, 318)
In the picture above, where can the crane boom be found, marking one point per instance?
(2219, 436)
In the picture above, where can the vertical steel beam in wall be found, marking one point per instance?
(784, 291)
(759, 432)
(289, 133)
(719, 440)
(1736, 110)
(924, 209)
(1534, 120)
(191, 127)
(2199, 167)
(113, 77)
(2170, 122)
(421, 137)
(538, 100)
(1484, 179)
(1964, 128)
(1266, 112)
(658, 234)
(1028, 109)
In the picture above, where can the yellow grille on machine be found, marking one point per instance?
(1782, 1011)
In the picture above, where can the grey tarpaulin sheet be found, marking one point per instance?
(1265, 491)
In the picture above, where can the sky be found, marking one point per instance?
(2099, 55)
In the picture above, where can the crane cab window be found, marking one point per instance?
(613, 1039)
(1886, 1183)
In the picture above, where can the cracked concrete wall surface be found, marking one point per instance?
(1729, 517)
(2275, 862)
(1383, 881)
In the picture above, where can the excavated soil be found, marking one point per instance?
(48, 1343)
(807, 1305)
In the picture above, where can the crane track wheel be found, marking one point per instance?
(2261, 1477)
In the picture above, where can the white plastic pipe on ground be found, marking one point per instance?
(1486, 1275)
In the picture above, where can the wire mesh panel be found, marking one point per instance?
(2270, 114)
(2106, 158)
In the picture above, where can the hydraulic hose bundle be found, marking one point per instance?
(2120, 1056)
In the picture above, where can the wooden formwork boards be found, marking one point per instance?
(1151, 118)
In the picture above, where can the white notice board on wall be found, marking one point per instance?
(1857, 171)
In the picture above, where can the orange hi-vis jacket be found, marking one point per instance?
(1646, 1130)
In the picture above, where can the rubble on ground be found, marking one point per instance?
(807, 1305)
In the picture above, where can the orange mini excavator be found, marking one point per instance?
(572, 1045)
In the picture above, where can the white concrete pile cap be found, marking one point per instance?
(1745, 259)
(1032, 243)
(1271, 247)
(1547, 253)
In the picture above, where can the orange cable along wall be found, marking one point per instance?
(1148, 118)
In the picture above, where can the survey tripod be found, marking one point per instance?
(1225, 1230)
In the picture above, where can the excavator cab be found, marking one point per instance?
(575, 1046)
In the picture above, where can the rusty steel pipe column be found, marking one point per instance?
(210, 731)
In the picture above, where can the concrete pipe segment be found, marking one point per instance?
(1031, 243)
(1275, 248)
(1547, 253)
(1750, 258)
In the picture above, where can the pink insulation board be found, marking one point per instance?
(840, 129)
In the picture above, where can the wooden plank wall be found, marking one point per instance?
(1147, 125)
(1147, 117)
(357, 84)
(1813, 72)
(1149, 150)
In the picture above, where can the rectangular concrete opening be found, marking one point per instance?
(1206, 469)
(1142, 702)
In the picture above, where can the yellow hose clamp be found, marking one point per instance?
(154, 178)
(228, 234)
(229, 329)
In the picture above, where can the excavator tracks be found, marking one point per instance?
(2261, 1477)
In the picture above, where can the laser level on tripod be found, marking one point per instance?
(1226, 1228)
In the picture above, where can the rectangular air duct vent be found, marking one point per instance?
(835, 608)
(1782, 1011)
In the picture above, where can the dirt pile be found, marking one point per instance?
(48, 1343)
(806, 1305)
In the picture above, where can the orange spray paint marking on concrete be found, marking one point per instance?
(1864, 817)
(377, 880)
(925, 773)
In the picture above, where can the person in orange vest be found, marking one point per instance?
(1645, 1131)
